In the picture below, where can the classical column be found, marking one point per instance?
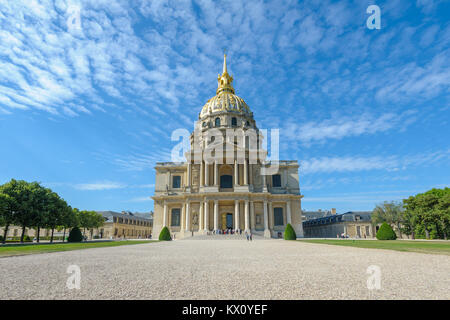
(183, 217)
(264, 181)
(245, 172)
(201, 216)
(236, 215)
(285, 177)
(288, 212)
(216, 215)
(206, 215)
(189, 168)
(216, 173)
(165, 215)
(250, 176)
(188, 216)
(206, 174)
(252, 215)
(266, 221)
(270, 215)
(247, 216)
(202, 171)
(236, 173)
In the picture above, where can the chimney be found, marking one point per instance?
(333, 210)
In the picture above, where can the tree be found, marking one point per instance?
(22, 193)
(56, 206)
(90, 220)
(39, 204)
(386, 232)
(289, 233)
(7, 205)
(165, 235)
(75, 235)
(389, 212)
(68, 219)
(428, 213)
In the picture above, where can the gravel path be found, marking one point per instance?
(232, 269)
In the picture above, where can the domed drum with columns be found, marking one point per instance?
(226, 183)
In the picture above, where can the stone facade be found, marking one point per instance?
(351, 224)
(225, 183)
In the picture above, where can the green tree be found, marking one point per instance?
(289, 233)
(75, 235)
(56, 207)
(389, 212)
(386, 232)
(22, 192)
(164, 235)
(7, 207)
(429, 213)
(68, 219)
(39, 205)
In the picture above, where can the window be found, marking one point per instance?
(226, 181)
(176, 221)
(234, 122)
(248, 124)
(204, 124)
(217, 122)
(278, 216)
(276, 180)
(176, 182)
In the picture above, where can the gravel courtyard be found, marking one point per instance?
(226, 269)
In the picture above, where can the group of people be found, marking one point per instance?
(248, 235)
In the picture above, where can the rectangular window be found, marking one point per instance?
(276, 180)
(176, 219)
(278, 216)
(176, 182)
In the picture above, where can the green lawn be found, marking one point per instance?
(14, 250)
(434, 247)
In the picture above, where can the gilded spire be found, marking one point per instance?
(224, 63)
(224, 80)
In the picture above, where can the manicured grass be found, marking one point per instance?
(6, 251)
(434, 247)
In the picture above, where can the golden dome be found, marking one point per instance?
(225, 99)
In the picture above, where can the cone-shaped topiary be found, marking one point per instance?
(75, 235)
(165, 235)
(289, 233)
(386, 233)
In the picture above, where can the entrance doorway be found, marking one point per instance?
(227, 221)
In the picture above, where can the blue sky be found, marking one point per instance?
(89, 111)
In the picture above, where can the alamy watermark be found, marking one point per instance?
(374, 20)
(74, 280)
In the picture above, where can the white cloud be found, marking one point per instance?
(99, 186)
(361, 163)
(340, 127)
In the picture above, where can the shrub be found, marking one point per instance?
(1, 238)
(75, 235)
(386, 233)
(289, 233)
(165, 235)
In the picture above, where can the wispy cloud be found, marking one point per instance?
(340, 127)
(99, 186)
(360, 163)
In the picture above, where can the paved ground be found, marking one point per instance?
(232, 269)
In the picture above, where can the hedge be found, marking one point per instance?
(75, 235)
(289, 233)
(165, 235)
(386, 233)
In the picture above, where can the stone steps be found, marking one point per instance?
(223, 237)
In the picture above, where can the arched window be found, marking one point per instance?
(217, 122)
(175, 217)
(226, 181)
(278, 216)
(234, 122)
